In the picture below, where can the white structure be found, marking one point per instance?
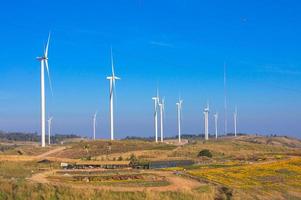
(112, 79)
(94, 125)
(161, 105)
(49, 129)
(225, 101)
(179, 112)
(156, 103)
(215, 122)
(235, 121)
(44, 60)
(206, 120)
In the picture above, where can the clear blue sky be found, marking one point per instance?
(180, 46)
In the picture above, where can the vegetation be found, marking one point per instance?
(246, 167)
(32, 137)
(26, 191)
(205, 153)
(102, 148)
(272, 176)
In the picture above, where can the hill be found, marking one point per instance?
(249, 167)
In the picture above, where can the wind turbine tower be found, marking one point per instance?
(161, 105)
(215, 122)
(44, 63)
(235, 122)
(156, 103)
(225, 101)
(179, 112)
(49, 128)
(206, 120)
(112, 80)
(94, 125)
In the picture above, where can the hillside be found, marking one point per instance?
(249, 167)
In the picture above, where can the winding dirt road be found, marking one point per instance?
(177, 183)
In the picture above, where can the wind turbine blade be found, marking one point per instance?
(47, 46)
(112, 63)
(50, 83)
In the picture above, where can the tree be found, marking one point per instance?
(205, 153)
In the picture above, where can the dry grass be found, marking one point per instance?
(25, 190)
(102, 148)
(245, 167)
(241, 148)
(25, 149)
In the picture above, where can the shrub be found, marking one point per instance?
(205, 153)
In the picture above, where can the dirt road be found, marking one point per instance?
(177, 183)
(53, 151)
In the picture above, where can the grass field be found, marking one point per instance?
(246, 167)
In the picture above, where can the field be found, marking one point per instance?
(245, 167)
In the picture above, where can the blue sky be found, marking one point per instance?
(179, 46)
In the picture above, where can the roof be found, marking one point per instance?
(103, 163)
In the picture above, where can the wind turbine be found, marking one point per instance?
(206, 119)
(156, 102)
(161, 105)
(215, 122)
(44, 60)
(235, 121)
(49, 128)
(94, 125)
(112, 79)
(179, 110)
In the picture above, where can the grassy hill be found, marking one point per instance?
(244, 167)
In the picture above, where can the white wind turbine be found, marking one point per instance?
(44, 60)
(49, 128)
(235, 121)
(161, 106)
(112, 79)
(94, 125)
(179, 112)
(215, 122)
(206, 120)
(156, 103)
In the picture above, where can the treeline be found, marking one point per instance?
(33, 137)
(183, 136)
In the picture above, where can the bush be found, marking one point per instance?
(133, 160)
(205, 153)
